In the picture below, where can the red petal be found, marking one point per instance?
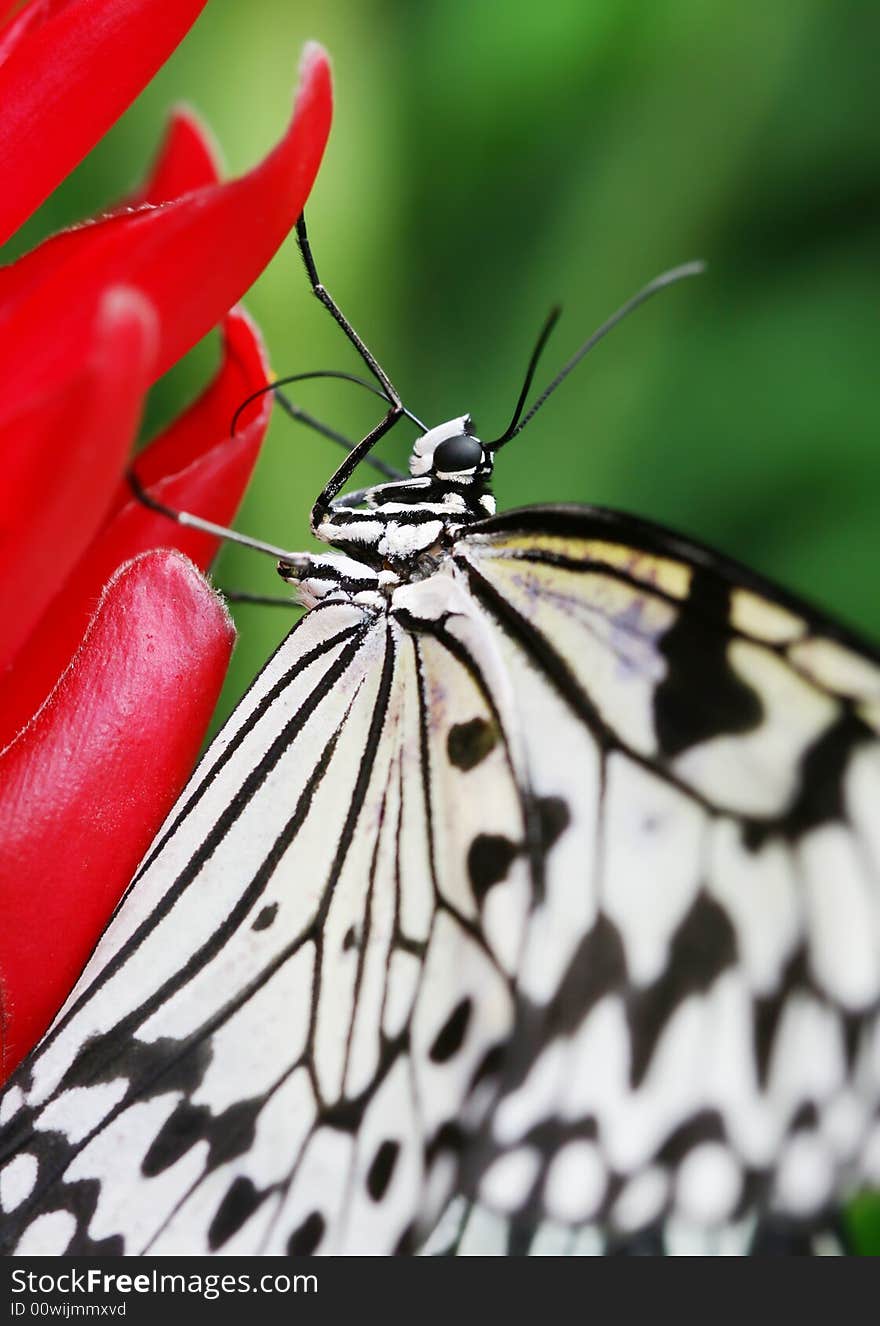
(68, 69)
(187, 160)
(194, 466)
(245, 369)
(193, 257)
(86, 786)
(62, 463)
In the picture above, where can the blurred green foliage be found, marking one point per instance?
(487, 160)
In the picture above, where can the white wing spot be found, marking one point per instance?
(48, 1236)
(844, 935)
(508, 1180)
(11, 1103)
(806, 1175)
(17, 1180)
(709, 1184)
(648, 821)
(576, 1181)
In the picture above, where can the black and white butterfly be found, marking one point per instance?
(538, 873)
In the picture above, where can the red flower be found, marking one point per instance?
(68, 69)
(112, 646)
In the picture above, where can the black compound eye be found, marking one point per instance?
(457, 453)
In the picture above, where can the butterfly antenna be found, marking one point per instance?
(323, 295)
(659, 283)
(542, 340)
(302, 416)
(319, 373)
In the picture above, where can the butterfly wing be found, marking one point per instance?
(559, 883)
(697, 994)
(467, 1229)
(272, 1044)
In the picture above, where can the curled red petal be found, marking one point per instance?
(193, 257)
(85, 787)
(68, 69)
(193, 466)
(187, 160)
(62, 461)
(244, 370)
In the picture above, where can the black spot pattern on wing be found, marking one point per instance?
(183, 1128)
(703, 945)
(228, 1135)
(447, 1141)
(597, 968)
(705, 1126)
(469, 743)
(489, 1066)
(820, 799)
(489, 859)
(450, 1037)
(239, 1203)
(81, 1199)
(266, 917)
(550, 1135)
(306, 1237)
(152, 1068)
(350, 939)
(701, 696)
(381, 1169)
(406, 1244)
(768, 1011)
(554, 818)
(805, 1117)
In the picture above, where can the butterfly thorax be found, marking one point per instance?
(395, 526)
(398, 533)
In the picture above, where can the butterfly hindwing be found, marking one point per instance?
(697, 996)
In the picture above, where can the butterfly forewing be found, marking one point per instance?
(274, 1039)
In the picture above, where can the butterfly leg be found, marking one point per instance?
(301, 416)
(261, 600)
(187, 519)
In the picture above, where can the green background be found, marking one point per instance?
(489, 159)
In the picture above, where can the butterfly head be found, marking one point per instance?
(451, 452)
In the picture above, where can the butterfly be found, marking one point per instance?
(535, 880)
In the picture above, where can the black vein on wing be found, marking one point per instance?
(98, 1058)
(255, 777)
(361, 787)
(265, 702)
(551, 664)
(695, 608)
(644, 536)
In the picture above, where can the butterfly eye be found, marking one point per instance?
(457, 453)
